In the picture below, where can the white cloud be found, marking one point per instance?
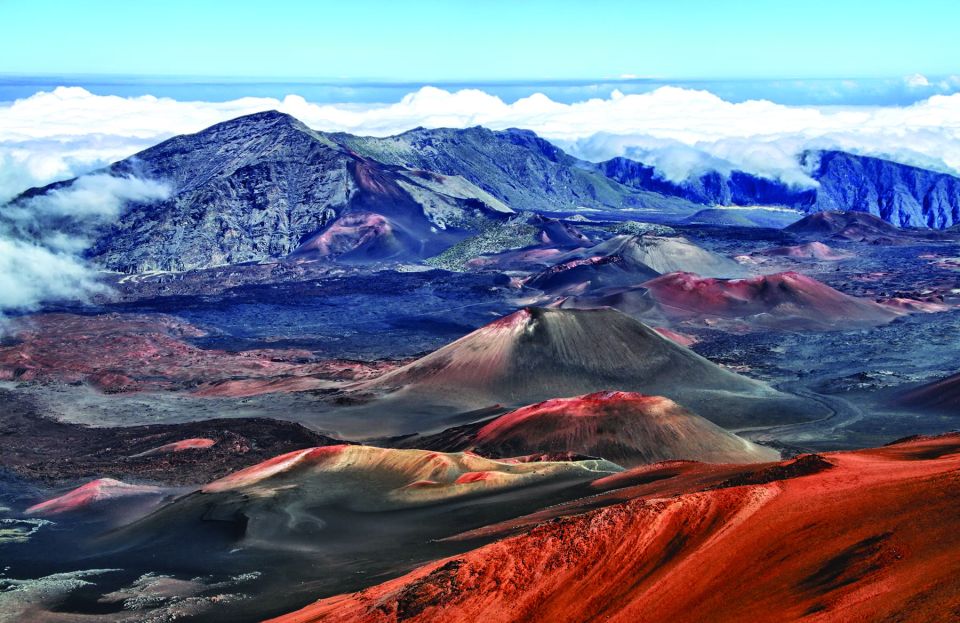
(42, 238)
(31, 274)
(35, 162)
(917, 81)
(69, 131)
(949, 84)
(63, 219)
(52, 135)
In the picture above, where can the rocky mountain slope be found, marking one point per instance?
(858, 536)
(267, 186)
(518, 167)
(712, 188)
(528, 172)
(900, 194)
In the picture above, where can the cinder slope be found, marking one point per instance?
(784, 300)
(94, 494)
(536, 354)
(347, 499)
(942, 395)
(663, 254)
(857, 226)
(861, 536)
(809, 250)
(626, 428)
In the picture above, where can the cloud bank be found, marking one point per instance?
(69, 131)
(42, 239)
(57, 134)
(31, 274)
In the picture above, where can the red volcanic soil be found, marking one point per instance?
(132, 352)
(858, 226)
(197, 443)
(871, 535)
(930, 305)
(623, 427)
(517, 259)
(349, 233)
(942, 395)
(94, 492)
(42, 449)
(787, 300)
(810, 250)
(680, 338)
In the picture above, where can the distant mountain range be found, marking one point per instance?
(266, 185)
(528, 172)
(902, 195)
(521, 169)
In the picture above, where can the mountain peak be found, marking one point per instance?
(267, 115)
(535, 354)
(260, 120)
(627, 428)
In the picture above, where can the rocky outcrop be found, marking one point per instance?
(713, 188)
(900, 194)
(262, 186)
(516, 166)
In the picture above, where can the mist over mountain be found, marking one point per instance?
(267, 186)
(682, 129)
(903, 195)
(520, 168)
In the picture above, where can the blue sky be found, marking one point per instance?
(674, 83)
(488, 40)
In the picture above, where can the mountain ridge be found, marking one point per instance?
(265, 186)
(259, 187)
(900, 194)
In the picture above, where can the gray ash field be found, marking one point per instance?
(360, 314)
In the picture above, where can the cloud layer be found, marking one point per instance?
(52, 135)
(31, 274)
(70, 131)
(42, 239)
